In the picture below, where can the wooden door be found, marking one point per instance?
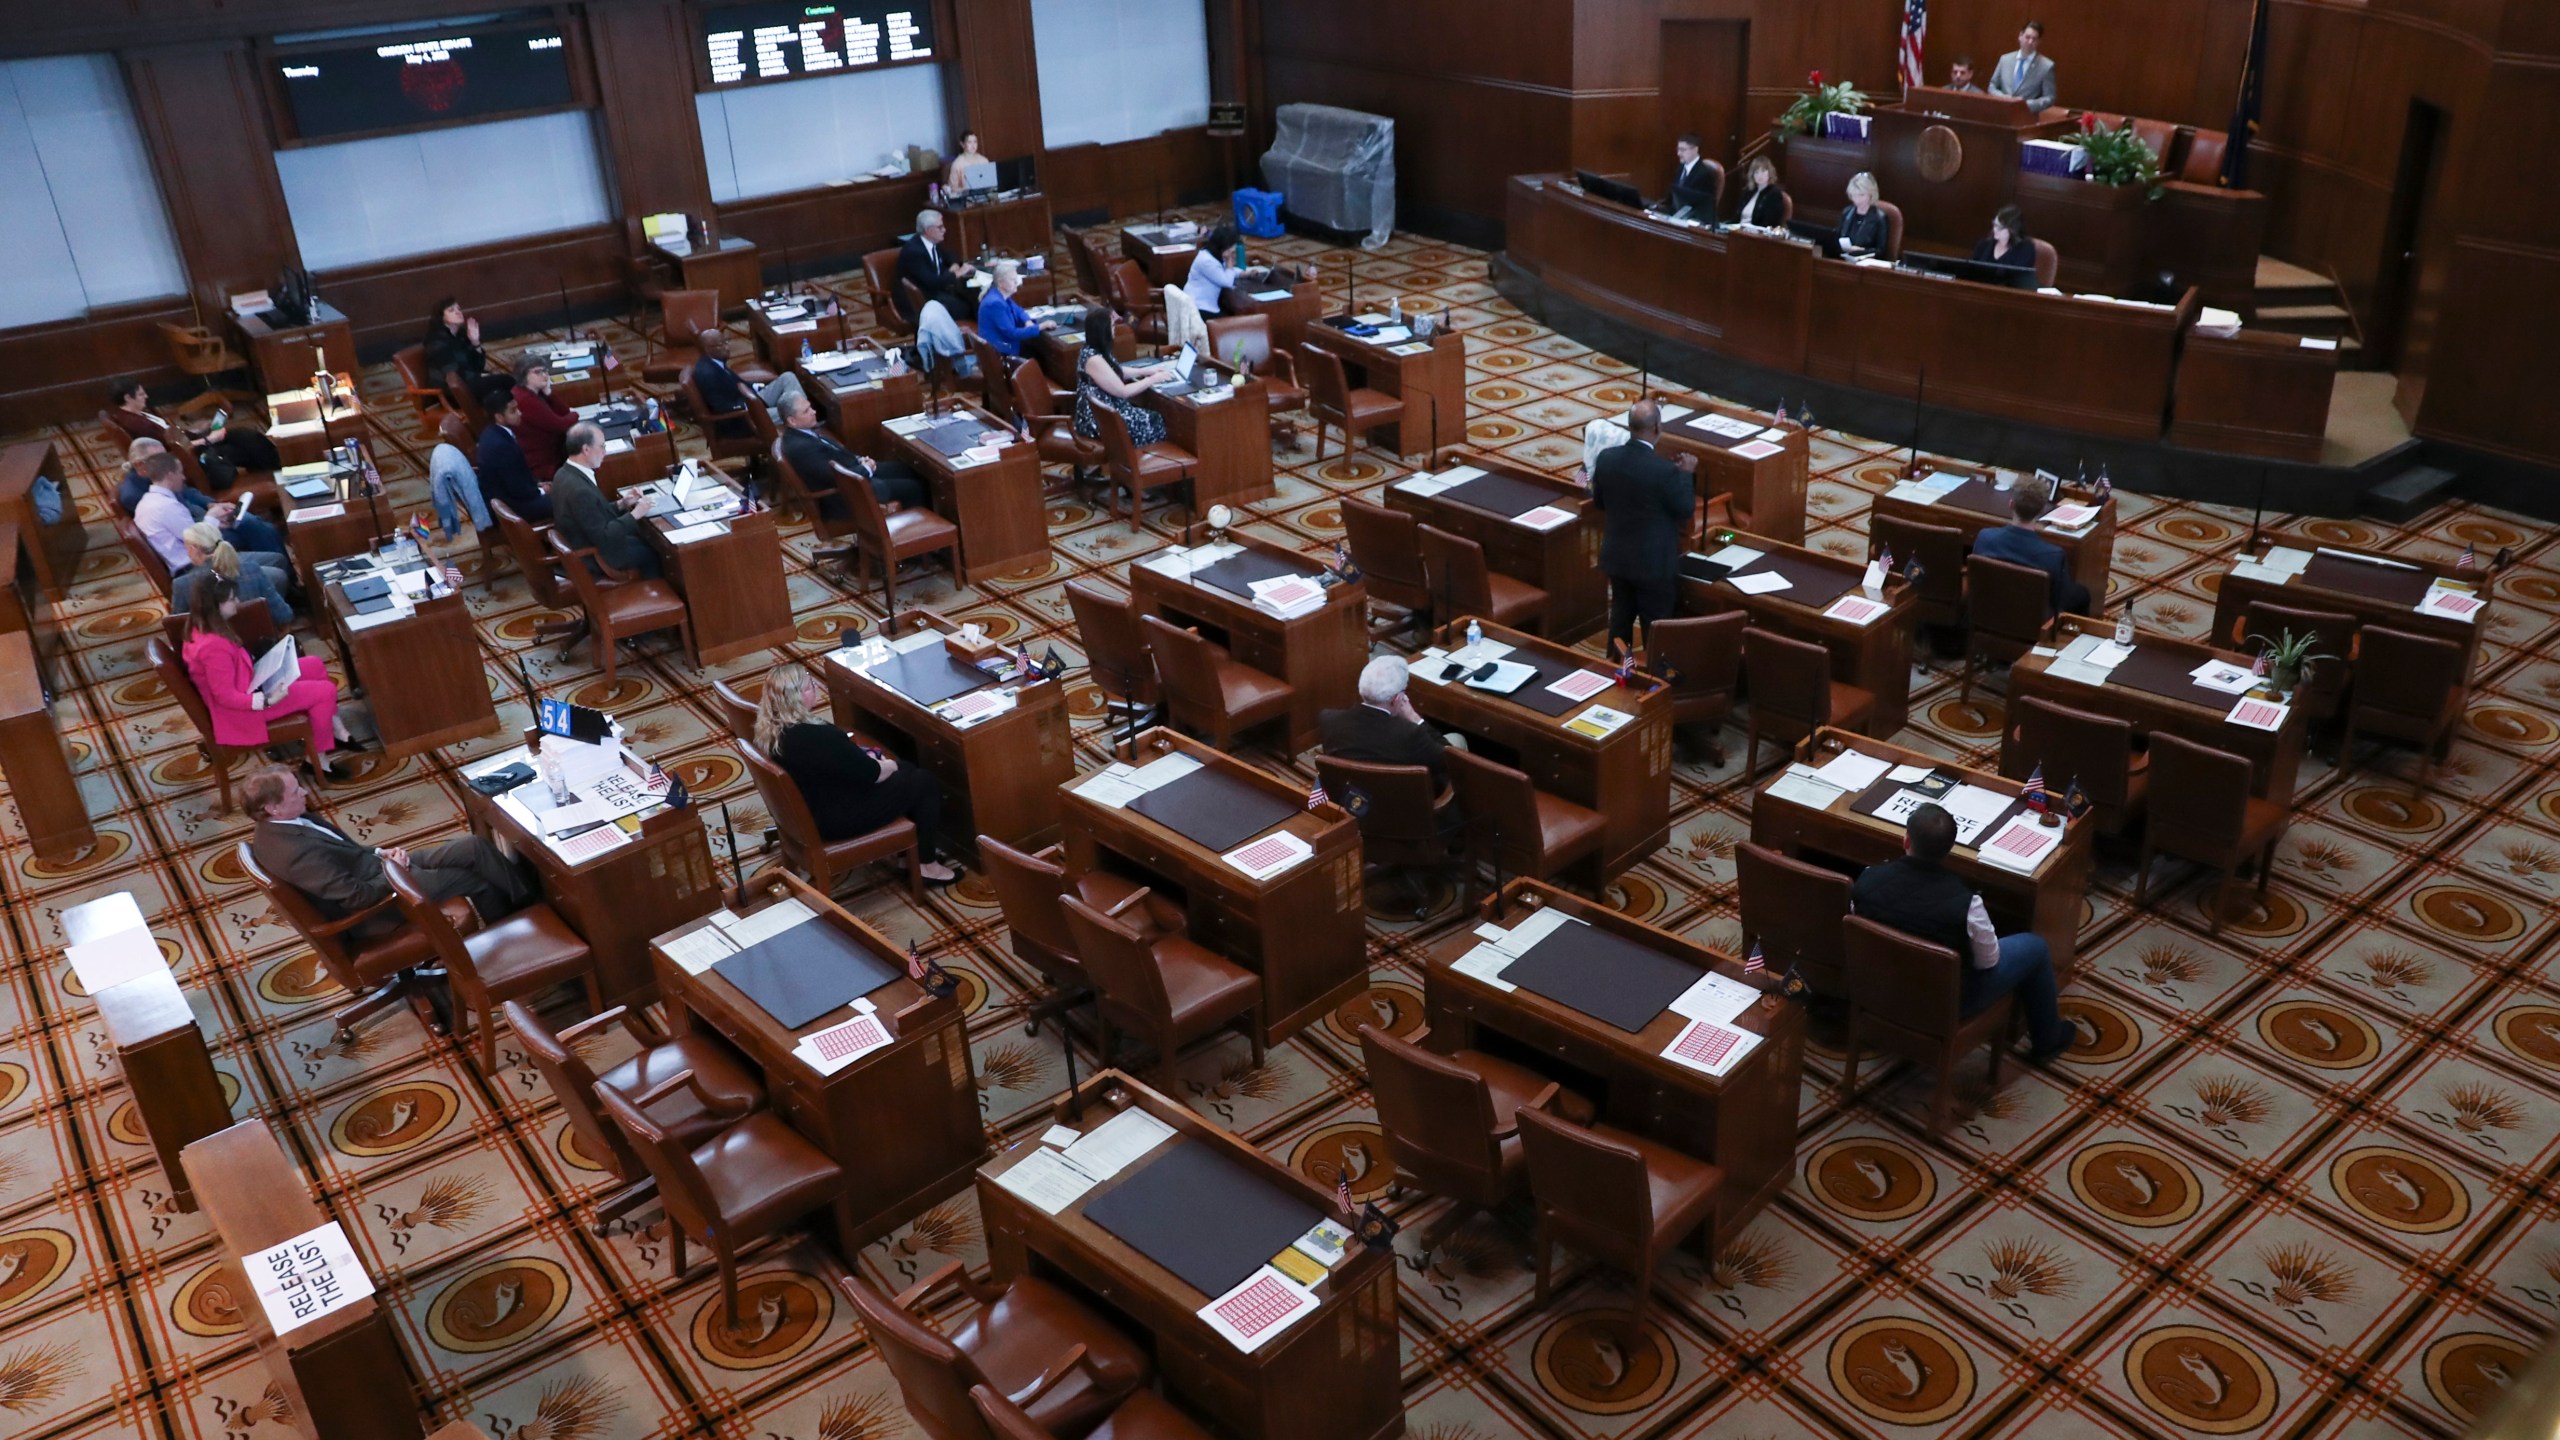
(1704, 89)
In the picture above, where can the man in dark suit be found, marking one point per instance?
(1917, 895)
(2019, 544)
(724, 390)
(343, 877)
(1384, 728)
(1694, 173)
(1646, 504)
(582, 516)
(935, 272)
(818, 457)
(504, 475)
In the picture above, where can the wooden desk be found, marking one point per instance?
(1982, 505)
(1564, 561)
(168, 1072)
(1432, 384)
(999, 505)
(635, 460)
(341, 1374)
(1625, 775)
(1290, 317)
(902, 1120)
(318, 531)
(34, 761)
(779, 341)
(1232, 437)
(1330, 1376)
(1060, 350)
(1300, 930)
(282, 355)
(1015, 226)
(854, 400)
(1319, 653)
(422, 675)
(728, 264)
(2254, 393)
(1743, 1122)
(1167, 262)
(1875, 657)
(2198, 715)
(1766, 492)
(618, 900)
(52, 551)
(2048, 902)
(23, 607)
(731, 584)
(2374, 594)
(1000, 777)
(304, 432)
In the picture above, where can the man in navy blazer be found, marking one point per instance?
(2019, 544)
(1647, 503)
(504, 475)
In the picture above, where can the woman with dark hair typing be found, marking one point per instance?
(2009, 244)
(850, 790)
(1100, 380)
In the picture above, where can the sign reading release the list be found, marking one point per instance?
(307, 1277)
(768, 41)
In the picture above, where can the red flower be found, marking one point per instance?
(2088, 123)
(1816, 77)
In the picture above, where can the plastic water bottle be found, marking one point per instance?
(2124, 627)
(547, 765)
(1395, 309)
(806, 353)
(1475, 634)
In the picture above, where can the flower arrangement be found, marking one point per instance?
(2118, 156)
(1806, 114)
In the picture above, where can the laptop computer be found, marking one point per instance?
(977, 175)
(1184, 365)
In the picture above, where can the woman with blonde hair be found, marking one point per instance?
(210, 556)
(1862, 224)
(851, 790)
(1764, 201)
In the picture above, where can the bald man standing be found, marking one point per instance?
(1646, 504)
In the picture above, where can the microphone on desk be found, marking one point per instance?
(1911, 471)
(1644, 365)
(532, 697)
(563, 282)
(2260, 509)
(737, 873)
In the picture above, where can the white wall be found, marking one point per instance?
(1113, 70)
(800, 134)
(443, 189)
(81, 220)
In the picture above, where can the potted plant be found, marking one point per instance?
(1809, 110)
(2118, 156)
(2287, 659)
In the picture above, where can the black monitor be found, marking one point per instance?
(1700, 204)
(1979, 271)
(1608, 189)
(1017, 174)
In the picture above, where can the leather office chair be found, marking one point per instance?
(1167, 992)
(1332, 400)
(1143, 1416)
(2008, 608)
(202, 354)
(2322, 690)
(1404, 818)
(620, 607)
(2411, 688)
(1387, 547)
(466, 402)
(824, 503)
(995, 377)
(747, 444)
(1250, 336)
(1892, 229)
(428, 396)
(294, 729)
(1138, 304)
(880, 268)
(1115, 646)
(682, 317)
(2158, 135)
(1208, 691)
(1092, 269)
(808, 852)
(1614, 1197)
(530, 544)
(1051, 416)
(1140, 468)
(1940, 549)
(724, 1092)
(1714, 188)
(1522, 829)
(748, 1182)
(2202, 164)
(2048, 261)
(1028, 888)
(1461, 583)
(377, 974)
(514, 958)
(1064, 1364)
(1792, 911)
(1452, 1122)
(2201, 810)
(2096, 750)
(1906, 997)
(1700, 658)
(885, 535)
(1792, 692)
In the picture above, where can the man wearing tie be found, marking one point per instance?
(1696, 172)
(936, 275)
(2025, 73)
(818, 458)
(1646, 503)
(343, 878)
(588, 521)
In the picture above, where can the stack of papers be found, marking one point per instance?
(964, 711)
(588, 844)
(2071, 517)
(1802, 785)
(1581, 685)
(1759, 582)
(2224, 676)
(1599, 722)
(1974, 808)
(1715, 999)
(1427, 484)
(1261, 859)
(707, 530)
(1757, 450)
(2259, 714)
(1506, 676)
(700, 950)
(746, 931)
(1117, 784)
(1709, 1047)
(830, 1050)
(1850, 770)
(1046, 1180)
(1732, 427)
(1856, 609)
(2452, 601)
(1486, 963)
(1053, 1179)
(1545, 517)
(1263, 1306)
(2022, 844)
(1288, 596)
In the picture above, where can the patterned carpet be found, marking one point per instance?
(2294, 1181)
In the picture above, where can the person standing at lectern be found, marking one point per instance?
(2025, 72)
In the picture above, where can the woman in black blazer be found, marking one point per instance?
(1763, 202)
(2009, 243)
(850, 790)
(1862, 224)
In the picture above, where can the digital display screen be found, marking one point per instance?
(746, 43)
(399, 82)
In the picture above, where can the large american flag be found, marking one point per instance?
(1915, 32)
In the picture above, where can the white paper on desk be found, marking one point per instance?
(699, 950)
(1942, 481)
(1732, 427)
(617, 447)
(1261, 859)
(976, 706)
(1474, 655)
(748, 931)
(1263, 1306)
(718, 510)
(316, 512)
(588, 844)
(1492, 932)
(1734, 557)
(1392, 335)
(2077, 650)
(1858, 609)
(2224, 676)
(583, 763)
(1715, 999)
(307, 1277)
(2021, 845)
(587, 811)
(827, 363)
(907, 424)
(1507, 676)
(1674, 414)
(1599, 722)
(2285, 559)
(1060, 1136)
(2251, 570)
(1545, 517)
(2314, 342)
(1914, 493)
(1046, 1181)
(1426, 665)
(1974, 808)
(1713, 1048)
(2107, 655)
(830, 1050)
(1774, 432)
(2259, 714)
(2451, 604)
(1905, 774)
(916, 640)
(2043, 652)
(2078, 672)
(708, 530)
(1852, 771)
(1759, 582)
(1163, 771)
(1372, 317)
(796, 327)
(1110, 1147)
(1110, 786)
(116, 957)
(1540, 923)
(1756, 450)
(2071, 517)
(1268, 297)
(1486, 963)
(1424, 484)
(1804, 790)
(1581, 685)
(1897, 807)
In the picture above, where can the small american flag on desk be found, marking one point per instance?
(1316, 795)
(2469, 559)
(1342, 1189)
(1755, 962)
(1884, 557)
(2035, 796)
(2258, 667)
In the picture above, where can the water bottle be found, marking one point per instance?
(2124, 628)
(1475, 634)
(806, 353)
(547, 765)
(1395, 309)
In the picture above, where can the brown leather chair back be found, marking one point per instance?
(325, 937)
(1788, 679)
(1911, 985)
(1250, 334)
(2406, 677)
(1028, 889)
(681, 1187)
(1714, 186)
(1328, 384)
(2007, 604)
(1892, 229)
(1131, 295)
(2199, 799)
(573, 1080)
(1593, 1190)
(1388, 551)
(789, 809)
(1119, 449)
(1438, 1119)
(411, 362)
(880, 268)
(1454, 573)
(1396, 807)
(1034, 398)
(144, 557)
(736, 710)
(1497, 800)
(700, 408)
(1115, 647)
(2203, 162)
(684, 314)
(2331, 633)
(1125, 976)
(1940, 550)
(1793, 911)
(2048, 261)
(994, 379)
(933, 1374)
(533, 556)
(2096, 750)
(2158, 135)
(174, 677)
(1186, 672)
(579, 565)
(1700, 658)
(1088, 266)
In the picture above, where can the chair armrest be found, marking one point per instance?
(1539, 1101)
(612, 577)
(1286, 365)
(711, 1104)
(1053, 852)
(388, 905)
(1059, 1369)
(951, 1272)
(592, 1022)
(1135, 897)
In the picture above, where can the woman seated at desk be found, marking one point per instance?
(851, 791)
(221, 667)
(1862, 224)
(222, 449)
(1211, 276)
(1100, 380)
(451, 352)
(952, 182)
(2009, 244)
(1764, 201)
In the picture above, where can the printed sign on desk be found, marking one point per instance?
(307, 1277)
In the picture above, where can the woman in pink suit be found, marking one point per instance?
(221, 668)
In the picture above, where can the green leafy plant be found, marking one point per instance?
(1806, 114)
(2118, 156)
(2289, 657)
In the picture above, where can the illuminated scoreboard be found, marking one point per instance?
(424, 77)
(746, 43)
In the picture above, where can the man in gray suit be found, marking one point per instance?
(342, 877)
(2025, 72)
(587, 520)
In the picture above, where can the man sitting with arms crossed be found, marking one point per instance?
(1920, 897)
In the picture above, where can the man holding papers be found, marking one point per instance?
(1918, 896)
(1647, 503)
